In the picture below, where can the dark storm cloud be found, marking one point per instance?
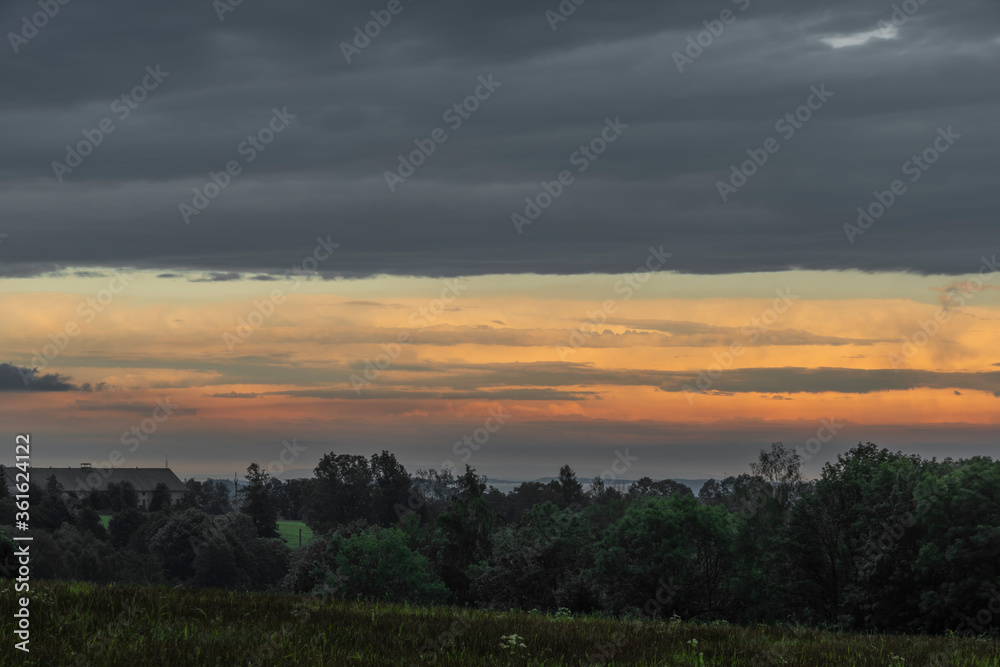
(18, 378)
(323, 173)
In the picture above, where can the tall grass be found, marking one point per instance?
(84, 624)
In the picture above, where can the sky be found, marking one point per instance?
(508, 235)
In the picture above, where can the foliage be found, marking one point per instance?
(880, 541)
(160, 499)
(211, 496)
(376, 564)
(258, 501)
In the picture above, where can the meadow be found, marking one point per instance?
(81, 624)
(289, 532)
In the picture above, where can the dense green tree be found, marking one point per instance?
(86, 557)
(160, 501)
(8, 509)
(526, 495)
(863, 500)
(216, 565)
(258, 501)
(123, 526)
(211, 496)
(535, 564)
(121, 495)
(343, 491)
(8, 563)
(463, 534)
(392, 486)
(376, 564)
(222, 551)
(672, 550)
(89, 521)
(646, 487)
(958, 531)
(570, 488)
(291, 497)
(48, 507)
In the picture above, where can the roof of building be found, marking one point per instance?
(97, 479)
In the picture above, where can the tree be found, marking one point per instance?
(463, 533)
(123, 526)
(89, 521)
(52, 485)
(571, 489)
(291, 497)
(258, 503)
(376, 564)
(215, 565)
(672, 550)
(160, 500)
(437, 487)
(646, 487)
(211, 496)
(781, 470)
(778, 466)
(8, 562)
(343, 491)
(48, 509)
(536, 564)
(527, 495)
(8, 510)
(834, 529)
(196, 548)
(392, 487)
(85, 556)
(122, 495)
(957, 531)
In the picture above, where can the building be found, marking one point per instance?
(86, 479)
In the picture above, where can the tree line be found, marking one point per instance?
(879, 541)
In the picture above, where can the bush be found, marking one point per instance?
(217, 551)
(376, 565)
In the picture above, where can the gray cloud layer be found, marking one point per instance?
(657, 183)
(18, 378)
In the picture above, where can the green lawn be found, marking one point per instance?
(85, 624)
(289, 532)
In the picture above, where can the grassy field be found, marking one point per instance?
(83, 624)
(289, 532)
